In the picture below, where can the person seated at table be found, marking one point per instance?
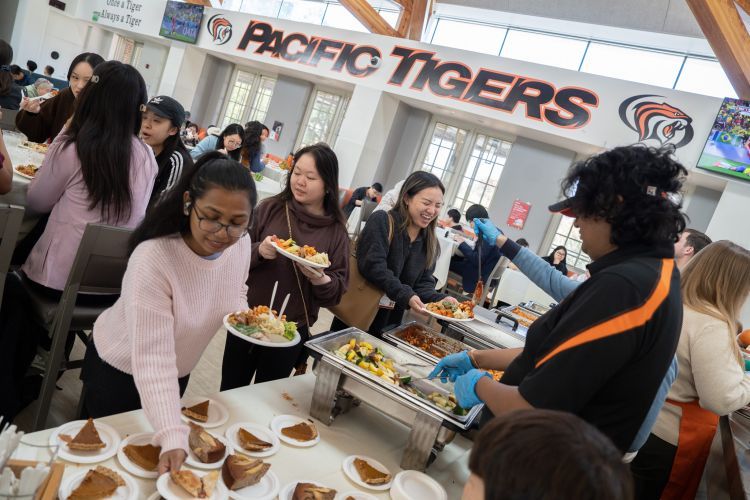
(603, 352)
(557, 259)
(390, 198)
(467, 264)
(252, 148)
(6, 166)
(10, 91)
(187, 270)
(453, 221)
(690, 243)
(307, 210)
(96, 171)
(160, 126)
(48, 70)
(191, 134)
(397, 250)
(20, 77)
(360, 194)
(545, 455)
(40, 87)
(711, 381)
(229, 142)
(41, 121)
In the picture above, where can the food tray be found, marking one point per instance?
(49, 487)
(535, 307)
(435, 346)
(524, 317)
(325, 345)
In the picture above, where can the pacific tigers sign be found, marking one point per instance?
(656, 122)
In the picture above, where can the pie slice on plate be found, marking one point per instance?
(206, 447)
(308, 491)
(144, 456)
(303, 431)
(87, 438)
(196, 486)
(251, 442)
(240, 472)
(97, 483)
(197, 412)
(369, 474)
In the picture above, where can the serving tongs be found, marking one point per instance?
(479, 289)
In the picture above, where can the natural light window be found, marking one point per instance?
(625, 63)
(568, 236)
(544, 49)
(482, 173)
(339, 17)
(704, 77)
(469, 36)
(304, 11)
(249, 97)
(440, 157)
(324, 117)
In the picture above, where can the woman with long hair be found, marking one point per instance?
(397, 250)
(228, 142)
(252, 149)
(307, 210)
(711, 381)
(42, 121)
(187, 269)
(10, 93)
(160, 129)
(96, 171)
(557, 259)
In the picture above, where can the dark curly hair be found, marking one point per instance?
(251, 144)
(630, 188)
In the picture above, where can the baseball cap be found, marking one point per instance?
(565, 207)
(166, 107)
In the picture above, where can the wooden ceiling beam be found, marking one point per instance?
(745, 5)
(729, 39)
(421, 11)
(404, 21)
(369, 17)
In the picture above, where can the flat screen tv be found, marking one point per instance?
(727, 149)
(181, 21)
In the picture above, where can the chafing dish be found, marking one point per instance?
(424, 342)
(338, 379)
(489, 330)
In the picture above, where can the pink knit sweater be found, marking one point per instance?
(172, 304)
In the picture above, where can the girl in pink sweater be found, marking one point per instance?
(190, 258)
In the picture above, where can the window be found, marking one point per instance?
(304, 11)
(249, 98)
(482, 173)
(567, 235)
(544, 49)
(636, 65)
(704, 77)
(339, 17)
(390, 16)
(440, 157)
(469, 36)
(323, 118)
(262, 100)
(268, 8)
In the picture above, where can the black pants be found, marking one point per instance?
(384, 320)
(242, 360)
(107, 390)
(652, 467)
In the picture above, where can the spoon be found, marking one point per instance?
(283, 306)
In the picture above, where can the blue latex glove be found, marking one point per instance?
(452, 367)
(488, 230)
(465, 388)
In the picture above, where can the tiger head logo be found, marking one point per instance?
(220, 29)
(657, 123)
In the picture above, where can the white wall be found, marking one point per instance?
(399, 154)
(701, 207)
(150, 64)
(288, 106)
(210, 91)
(64, 35)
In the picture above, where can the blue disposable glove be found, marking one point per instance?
(452, 366)
(465, 388)
(487, 229)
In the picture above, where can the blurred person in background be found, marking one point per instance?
(49, 70)
(31, 66)
(453, 221)
(228, 141)
(10, 91)
(252, 147)
(467, 265)
(360, 194)
(40, 87)
(690, 243)
(557, 259)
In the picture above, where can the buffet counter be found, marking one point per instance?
(362, 430)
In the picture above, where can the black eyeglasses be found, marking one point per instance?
(214, 226)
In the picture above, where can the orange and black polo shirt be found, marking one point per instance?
(603, 351)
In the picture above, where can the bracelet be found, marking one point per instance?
(473, 361)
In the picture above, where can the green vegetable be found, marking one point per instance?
(246, 329)
(460, 411)
(290, 330)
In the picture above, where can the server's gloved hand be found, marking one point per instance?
(465, 388)
(452, 367)
(487, 229)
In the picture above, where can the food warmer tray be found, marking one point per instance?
(489, 330)
(339, 380)
(442, 343)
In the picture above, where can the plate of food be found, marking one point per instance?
(252, 440)
(186, 484)
(138, 456)
(206, 451)
(304, 254)
(34, 146)
(100, 482)
(85, 442)
(355, 495)
(247, 477)
(207, 412)
(449, 310)
(307, 489)
(260, 325)
(296, 431)
(367, 472)
(27, 171)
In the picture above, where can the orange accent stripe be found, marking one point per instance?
(624, 322)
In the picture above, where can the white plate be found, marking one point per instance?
(217, 412)
(261, 432)
(193, 461)
(297, 258)
(356, 495)
(22, 174)
(127, 492)
(266, 489)
(413, 485)
(157, 496)
(231, 329)
(283, 421)
(129, 465)
(445, 318)
(108, 435)
(288, 490)
(172, 491)
(30, 146)
(351, 472)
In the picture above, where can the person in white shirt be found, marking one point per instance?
(390, 199)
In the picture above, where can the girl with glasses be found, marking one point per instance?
(187, 270)
(228, 142)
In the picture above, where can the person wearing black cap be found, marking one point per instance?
(603, 352)
(160, 129)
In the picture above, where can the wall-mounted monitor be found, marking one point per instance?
(181, 21)
(727, 149)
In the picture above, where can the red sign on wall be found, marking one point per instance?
(518, 214)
